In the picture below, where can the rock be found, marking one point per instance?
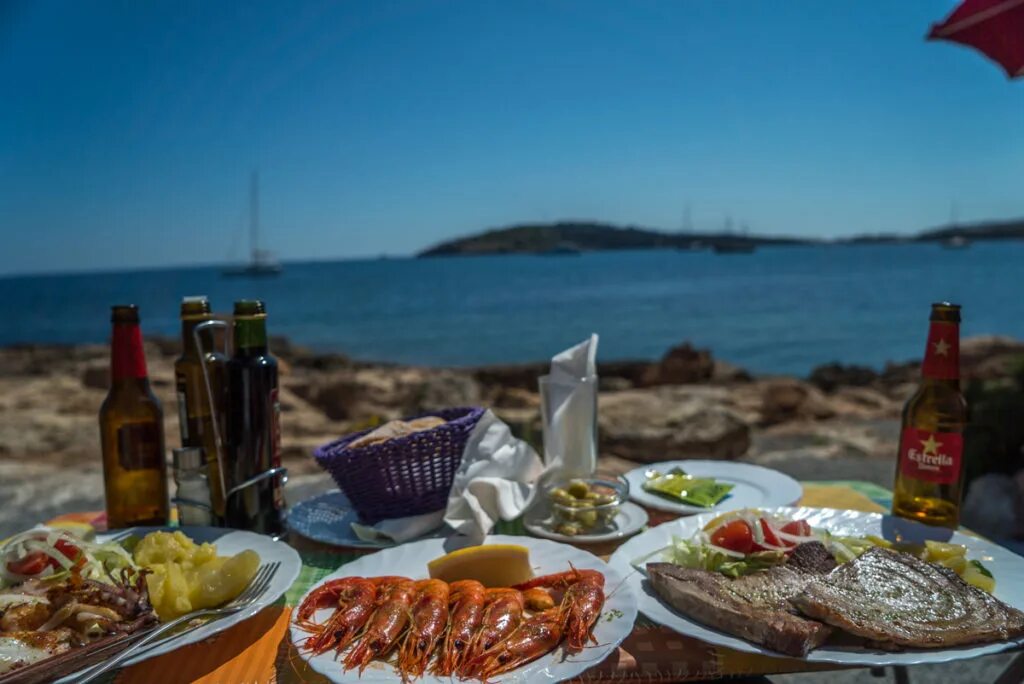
(444, 389)
(517, 398)
(96, 376)
(726, 372)
(681, 365)
(786, 399)
(864, 402)
(388, 392)
(669, 422)
(833, 375)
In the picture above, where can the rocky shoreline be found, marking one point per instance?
(839, 423)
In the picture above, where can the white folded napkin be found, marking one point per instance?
(494, 482)
(569, 405)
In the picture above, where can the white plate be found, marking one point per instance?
(1007, 567)
(615, 623)
(629, 520)
(229, 542)
(328, 519)
(754, 486)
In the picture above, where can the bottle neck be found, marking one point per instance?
(188, 338)
(127, 359)
(250, 336)
(942, 353)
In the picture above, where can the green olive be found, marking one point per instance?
(579, 489)
(568, 529)
(563, 497)
(604, 499)
(586, 518)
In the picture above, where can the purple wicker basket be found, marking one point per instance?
(403, 476)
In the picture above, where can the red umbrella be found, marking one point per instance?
(993, 27)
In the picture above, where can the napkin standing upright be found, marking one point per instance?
(569, 411)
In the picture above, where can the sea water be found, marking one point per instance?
(777, 310)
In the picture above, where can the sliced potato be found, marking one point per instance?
(975, 577)
(939, 551)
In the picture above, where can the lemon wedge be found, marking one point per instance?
(493, 565)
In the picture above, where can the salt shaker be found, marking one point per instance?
(193, 494)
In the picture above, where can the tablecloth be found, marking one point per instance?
(258, 651)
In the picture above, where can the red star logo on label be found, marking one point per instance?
(941, 348)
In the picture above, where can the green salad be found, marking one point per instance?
(681, 487)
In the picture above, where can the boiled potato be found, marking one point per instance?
(221, 580)
(185, 576)
(936, 552)
(975, 577)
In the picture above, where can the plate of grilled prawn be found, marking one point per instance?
(381, 619)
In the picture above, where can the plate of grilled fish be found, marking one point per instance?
(827, 585)
(383, 618)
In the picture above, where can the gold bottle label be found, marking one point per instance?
(138, 446)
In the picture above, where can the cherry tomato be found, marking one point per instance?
(798, 528)
(735, 536)
(32, 564)
(69, 550)
(770, 538)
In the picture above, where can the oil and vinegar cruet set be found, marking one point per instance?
(228, 469)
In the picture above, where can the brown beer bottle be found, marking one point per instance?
(929, 469)
(254, 436)
(132, 432)
(195, 417)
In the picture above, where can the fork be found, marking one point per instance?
(257, 587)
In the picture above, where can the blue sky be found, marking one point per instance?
(128, 129)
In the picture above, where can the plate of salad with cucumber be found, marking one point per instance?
(697, 486)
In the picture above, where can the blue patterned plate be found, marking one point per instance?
(328, 519)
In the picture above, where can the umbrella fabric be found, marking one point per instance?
(993, 27)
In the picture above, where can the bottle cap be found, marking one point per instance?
(188, 458)
(124, 313)
(250, 307)
(192, 306)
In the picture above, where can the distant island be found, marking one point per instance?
(570, 237)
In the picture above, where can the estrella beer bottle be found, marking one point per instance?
(929, 468)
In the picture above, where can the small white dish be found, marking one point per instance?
(754, 486)
(628, 521)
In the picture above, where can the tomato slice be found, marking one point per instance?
(771, 540)
(734, 536)
(799, 528)
(32, 564)
(69, 550)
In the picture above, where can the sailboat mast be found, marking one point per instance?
(254, 216)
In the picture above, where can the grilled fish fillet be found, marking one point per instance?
(896, 598)
(753, 607)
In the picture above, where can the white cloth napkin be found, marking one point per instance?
(569, 402)
(494, 482)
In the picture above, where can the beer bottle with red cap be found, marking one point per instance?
(132, 432)
(929, 468)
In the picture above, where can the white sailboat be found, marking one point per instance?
(261, 262)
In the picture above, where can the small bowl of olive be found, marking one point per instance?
(586, 505)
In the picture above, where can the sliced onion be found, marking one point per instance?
(59, 617)
(11, 600)
(796, 538)
(727, 552)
